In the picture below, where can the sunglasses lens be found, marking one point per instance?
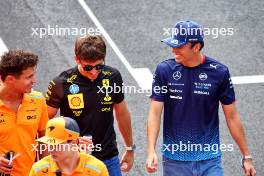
(99, 67)
(88, 68)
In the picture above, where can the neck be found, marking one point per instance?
(8, 93)
(68, 165)
(194, 61)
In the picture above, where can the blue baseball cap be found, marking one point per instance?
(184, 32)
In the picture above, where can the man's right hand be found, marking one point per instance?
(152, 162)
(4, 167)
(85, 144)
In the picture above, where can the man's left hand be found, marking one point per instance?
(127, 161)
(249, 168)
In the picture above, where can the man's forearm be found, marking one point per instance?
(237, 131)
(125, 129)
(153, 127)
(153, 124)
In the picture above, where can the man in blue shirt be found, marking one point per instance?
(189, 88)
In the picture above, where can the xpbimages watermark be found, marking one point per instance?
(214, 32)
(63, 31)
(191, 147)
(41, 148)
(126, 89)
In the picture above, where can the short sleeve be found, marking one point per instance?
(227, 93)
(119, 95)
(159, 86)
(54, 94)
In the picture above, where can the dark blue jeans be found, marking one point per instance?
(210, 167)
(113, 166)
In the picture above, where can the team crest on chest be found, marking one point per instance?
(106, 83)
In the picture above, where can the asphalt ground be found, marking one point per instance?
(137, 28)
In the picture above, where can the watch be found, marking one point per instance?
(131, 148)
(247, 157)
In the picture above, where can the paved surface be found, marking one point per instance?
(137, 28)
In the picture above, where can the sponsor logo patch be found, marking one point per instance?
(74, 88)
(177, 75)
(76, 101)
(203, 76)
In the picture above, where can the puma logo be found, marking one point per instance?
(214, 66)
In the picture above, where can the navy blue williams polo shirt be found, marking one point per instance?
(191, 97)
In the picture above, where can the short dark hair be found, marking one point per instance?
(15, 61)
(201, 43)
(90, 48)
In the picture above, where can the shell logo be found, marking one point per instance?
(76, 101)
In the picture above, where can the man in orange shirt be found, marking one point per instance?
(23, 112)
(65, 157)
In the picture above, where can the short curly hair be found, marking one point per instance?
(90, 48)
(14, 62)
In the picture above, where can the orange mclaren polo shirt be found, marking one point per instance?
(88, 166)
(18, 130)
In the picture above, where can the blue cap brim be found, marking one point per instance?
(173, 42)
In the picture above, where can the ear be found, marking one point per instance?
(10, 79)
(196, 47)
(77, 60)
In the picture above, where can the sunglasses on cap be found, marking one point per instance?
(90, 67)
